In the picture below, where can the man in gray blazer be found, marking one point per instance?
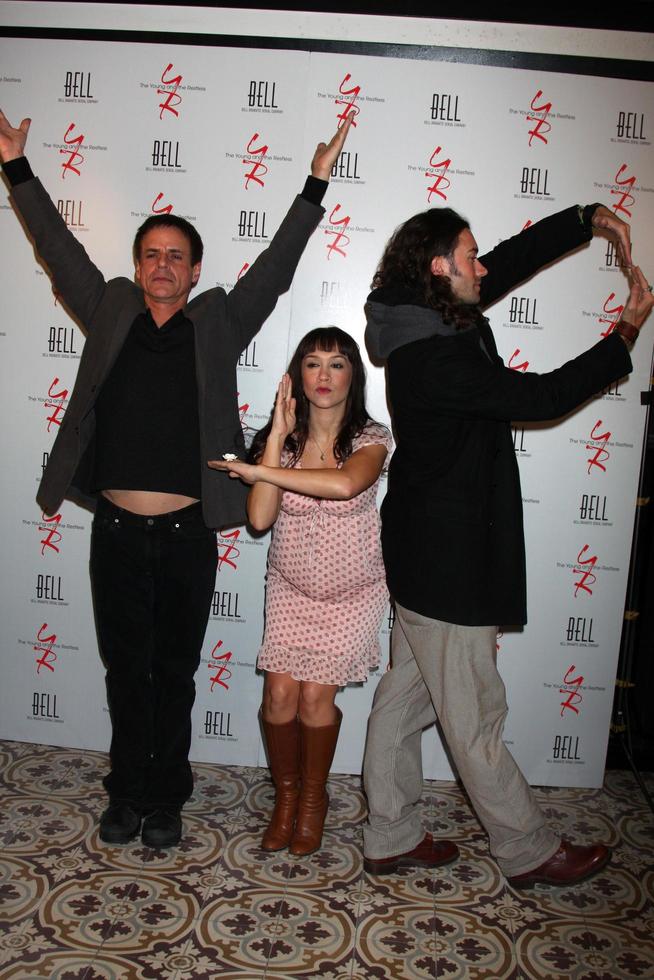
(155, 398)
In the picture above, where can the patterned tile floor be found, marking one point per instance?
(72, 908)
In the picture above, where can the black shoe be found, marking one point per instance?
(162, 828)
(119, 824)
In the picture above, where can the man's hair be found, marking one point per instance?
(170, 221)
(328, 339)
(407, 258)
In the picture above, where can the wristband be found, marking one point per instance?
(585, 214)
(627, 330)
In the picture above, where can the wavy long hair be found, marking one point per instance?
(326, 339)
(407, 258)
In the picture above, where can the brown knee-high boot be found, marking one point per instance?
(317, 747)
(283, 742)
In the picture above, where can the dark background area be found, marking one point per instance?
(637, 15)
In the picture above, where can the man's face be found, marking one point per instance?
(463, 269)
(164, 269)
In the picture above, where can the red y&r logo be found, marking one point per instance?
(349, 106)
(75, 158)
(626, 197)
(164, 209)
(341, 240)
(438, 170)
(259, 168)
(221, 660)
(227, 550)
(571, 687)
(600, 453)
(242, 412)
(44, 645)
(613, 314)
(56, 403)
(172, 98)
(586, 575)
(52, 535)
(542, 126)
(244, 269)
(517, 367)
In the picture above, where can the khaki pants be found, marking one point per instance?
(447, 672)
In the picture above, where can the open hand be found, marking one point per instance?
(237, 469)
(616, 229)
(283, 421)
(12, 141)
(640, 300)
(326, 154)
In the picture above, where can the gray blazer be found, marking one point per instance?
(224, 324)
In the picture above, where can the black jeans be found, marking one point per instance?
(153, 581)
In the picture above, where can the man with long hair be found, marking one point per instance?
(455, 474)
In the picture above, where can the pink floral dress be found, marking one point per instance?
(326, 586)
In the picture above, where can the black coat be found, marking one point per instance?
(452, 530)
(224, 323)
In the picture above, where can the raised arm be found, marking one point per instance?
(457, 380)
(519, 257)
(75, 276)
(255, 295)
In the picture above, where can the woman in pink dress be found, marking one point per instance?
(317, 468)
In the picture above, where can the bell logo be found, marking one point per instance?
(566, 748)
(523, 310)
(630, 125)
(218, 723)
(77, 85)
(443, 110)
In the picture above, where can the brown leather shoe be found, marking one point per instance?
(567, 866)
(283, 744)
(429, 853)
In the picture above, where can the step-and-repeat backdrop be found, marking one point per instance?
(224, 137)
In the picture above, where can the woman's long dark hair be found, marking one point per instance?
(407, 258)
(325, 339)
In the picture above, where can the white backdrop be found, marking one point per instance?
(224, 135)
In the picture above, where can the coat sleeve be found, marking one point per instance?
(457, 380)
(255, 295)
(75, 277)
(519, 257)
